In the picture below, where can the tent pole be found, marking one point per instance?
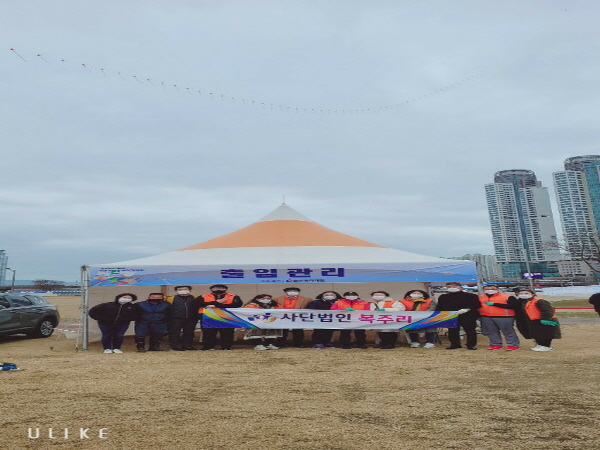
(85, 302)
(479, 277)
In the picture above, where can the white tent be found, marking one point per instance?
(282, 247)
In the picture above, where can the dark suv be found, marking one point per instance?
(29, 314)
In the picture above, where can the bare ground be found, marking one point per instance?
(304, 398)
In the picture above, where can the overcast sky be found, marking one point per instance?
(100, 166)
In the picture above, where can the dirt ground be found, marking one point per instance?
(302, 398)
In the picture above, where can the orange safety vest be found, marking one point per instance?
(228, 300)
(389, 304)
(289, 303)
(532, 311)
(354, 304)
(494, 311)
(421, 306)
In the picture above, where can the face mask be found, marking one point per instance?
(378, 297)
(124, 300)
(351, 297)
(416, 295)
(453, 289)
(329, 297)
(525, 296)
(183, 292)
(264, 300)
(292, 293)
(218, 292)
(155, 300)
(489, 292)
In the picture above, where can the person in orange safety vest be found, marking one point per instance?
(218, 298)
(351, 302)
(418, 300)
(497, 313)
(292, 300)
(542, 322)
(384, 302)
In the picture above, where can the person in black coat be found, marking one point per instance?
(467, 305)
(114, 319)
(595, 302)
(183, 319)
(321, 338)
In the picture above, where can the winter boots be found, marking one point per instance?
(140, 343)
(155, 344)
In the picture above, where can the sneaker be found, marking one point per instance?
(108, 350)
(511, 348)
(320, 346)
(533, 348)
(495, 347)
(272, 347)
(414, 345)
(541, 348)
(472, 348)
(260, 347)
(117, 350)
(429, 345)
(329, 346)
(453, 347)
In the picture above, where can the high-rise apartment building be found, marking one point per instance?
(578, 196)
(522, 224)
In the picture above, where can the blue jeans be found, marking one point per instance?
(112, 335)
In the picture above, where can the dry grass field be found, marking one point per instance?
(303, 398)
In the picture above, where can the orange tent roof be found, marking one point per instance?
(284, 227)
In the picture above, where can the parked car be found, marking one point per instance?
(28, 314)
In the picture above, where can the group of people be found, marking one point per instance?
(177, 316)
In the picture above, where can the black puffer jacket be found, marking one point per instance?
(453, 301)
(185, 308)
(320, 304)
(113, 313)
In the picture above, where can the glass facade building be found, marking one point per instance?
(522, 224)
(578, 196)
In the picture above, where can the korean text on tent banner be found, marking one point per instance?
(312, 319)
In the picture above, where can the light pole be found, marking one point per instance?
(528, 267)
(12, 286)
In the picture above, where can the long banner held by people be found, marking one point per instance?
(313, 319)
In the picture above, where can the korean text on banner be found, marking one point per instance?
(314, 319)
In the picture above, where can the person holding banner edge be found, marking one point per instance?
(218, 298)
(467, 305)
(418, 300)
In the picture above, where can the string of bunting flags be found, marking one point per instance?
(246, 101)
